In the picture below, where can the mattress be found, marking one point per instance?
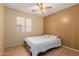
(42, 43)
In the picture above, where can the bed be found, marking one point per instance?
(42, 43)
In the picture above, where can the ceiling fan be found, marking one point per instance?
(40, 8)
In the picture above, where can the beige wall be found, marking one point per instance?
(12, 37)
(1, 28)
(64, 24)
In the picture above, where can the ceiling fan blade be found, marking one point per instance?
(34, 10)
(49, 7)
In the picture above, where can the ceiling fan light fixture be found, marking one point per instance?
(39, 12)
(41, 8)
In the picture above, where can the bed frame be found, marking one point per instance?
(28, 48)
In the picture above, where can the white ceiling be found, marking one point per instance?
(28, 7)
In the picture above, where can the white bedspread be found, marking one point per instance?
(42, 43)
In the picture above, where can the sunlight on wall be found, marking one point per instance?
(65, 20)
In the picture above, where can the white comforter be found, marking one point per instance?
(42, 43)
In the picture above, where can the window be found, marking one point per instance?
(28, 25)
(24, 24)
(20, 24)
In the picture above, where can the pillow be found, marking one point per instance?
(45, 35)
(51, 36)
